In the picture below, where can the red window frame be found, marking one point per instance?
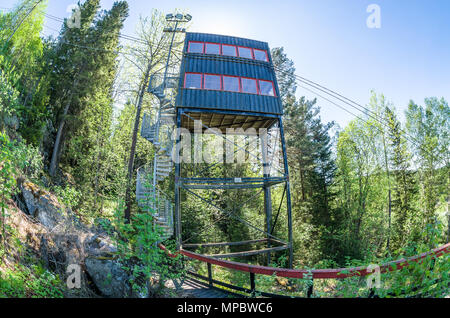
(256, 85)
(204, 47)
(235, 50)
(265, 52)
(201, 80)
(212, 89)
(202, 43)
(246, 47)
(273, 88)
(239, 84)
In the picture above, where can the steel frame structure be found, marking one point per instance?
(265, 183)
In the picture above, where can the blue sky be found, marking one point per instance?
(329, 41)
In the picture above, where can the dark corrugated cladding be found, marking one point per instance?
(225, 65)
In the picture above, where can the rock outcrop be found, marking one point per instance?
(108, 276)
(44, 206)
(48, 228)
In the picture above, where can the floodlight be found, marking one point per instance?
(169, 16)
(188, 17)
(179, 16)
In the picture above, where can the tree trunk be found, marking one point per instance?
(55, 155)
(389, 192)
(133, 145)
(56, 148)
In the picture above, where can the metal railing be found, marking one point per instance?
(339, 273)
(151, 198)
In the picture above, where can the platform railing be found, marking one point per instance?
(315, 274)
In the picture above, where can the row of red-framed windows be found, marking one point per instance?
(227, 50)
(229, 83)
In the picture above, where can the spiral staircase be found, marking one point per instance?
(158, 131)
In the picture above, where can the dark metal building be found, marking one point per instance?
(230, 82)
(224, 73)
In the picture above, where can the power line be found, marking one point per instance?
(298, 78)
(93, 48)
(344, 100)
(121, 35)
(20, 23)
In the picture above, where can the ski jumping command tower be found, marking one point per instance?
(224, 83)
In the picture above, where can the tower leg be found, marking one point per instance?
(177, 181)
(288, 193)
(267, 194)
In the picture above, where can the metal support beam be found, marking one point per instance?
(266, 187)
(288, 193)
(210, 279)
(177, 182)
(224, 243)
(249, 253)
(252, 284)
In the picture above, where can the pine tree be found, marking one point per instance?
(88, 142)
(404, 188)
(83, 67)
(71, 76)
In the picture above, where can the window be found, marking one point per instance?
(195, 47)
(193, 80)
(266, 88)
(212, 82)
(229, 50)
(249, 86)
(260, 55)
(231, 84)
(212, 48)
(245, 52)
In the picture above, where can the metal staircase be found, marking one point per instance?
(158, 131)
(154, 201)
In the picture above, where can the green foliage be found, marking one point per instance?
(426, 278)
(405, 188)
(9, 98)
(312, 169)
(29, 160)
(81, 81)
(381, 186)
(33, 282)
(22, 61)
(138, 251)
(70, 196)
(7, 185)
(428, 127)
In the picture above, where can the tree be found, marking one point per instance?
(70, 69)
(285, 72)
(357, 169)
(23, 60)
(311, 163)
(404, 188)
(87, 145)
(148, 57)
(429, 129)
(378, 106)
